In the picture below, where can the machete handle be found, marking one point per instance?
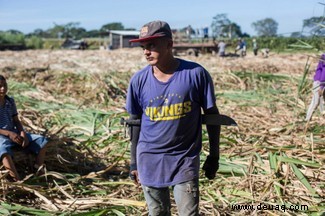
(130, 122)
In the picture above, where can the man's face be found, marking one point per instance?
(155, 50)
(3, 88)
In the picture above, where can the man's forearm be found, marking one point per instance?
(134, 132)
(4, 132)
(18, 124)
(214, 139)
(214, 133)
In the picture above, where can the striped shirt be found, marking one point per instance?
(7, 112)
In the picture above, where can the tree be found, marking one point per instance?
(234, 30)
(14, 32)
(223, 27)
(78, 33)
(69, 30)
(296, 35)
(267, 27)
(38, 33)
(315, 25)
(111, 26)
(219, 25)
(92, 33)
(55, 32)
(72, 30)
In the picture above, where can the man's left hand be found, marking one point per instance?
(26, 140)
(211, 166)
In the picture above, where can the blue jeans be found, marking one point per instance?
(317, 100)
(36, 143)
(186, 197)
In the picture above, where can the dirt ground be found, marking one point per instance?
(129, 60)
(270, 122)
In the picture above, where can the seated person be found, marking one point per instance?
(12, 134)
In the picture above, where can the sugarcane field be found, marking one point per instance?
(271, 163)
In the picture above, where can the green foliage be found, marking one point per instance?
(52, 43)
(38, 33)
(112, 26)
(69, 30)
(34, 43)
(267, 27)
(7, 38)
(280, 44)
(223, 27)
(218, 25)
(92, 34)
(12, 209)
(315, 25)
(303, 81)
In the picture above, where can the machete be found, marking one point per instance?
(211, 119)
(218, 119)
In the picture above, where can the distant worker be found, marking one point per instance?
(255, 47)
(205, 33)
(265, 52)
(318, 89)
(83, 44)
(222, 48)
(189, 32)
(197, 33)
(237, 46)
(241, 47)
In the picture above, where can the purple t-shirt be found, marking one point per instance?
(170, 138)
(320, 72)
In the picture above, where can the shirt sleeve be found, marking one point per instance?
(322, 78)
(133, 99)
(320, 72)
(14, 108)
(207, 91)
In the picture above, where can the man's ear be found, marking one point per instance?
(170, 44)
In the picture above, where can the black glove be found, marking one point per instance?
(211, 166)
(132, 168)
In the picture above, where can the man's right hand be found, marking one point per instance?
(135, 177)
(211, 166)
(15, 138)
(25, 138)
(134, 173)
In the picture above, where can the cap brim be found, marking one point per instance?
(146, 38)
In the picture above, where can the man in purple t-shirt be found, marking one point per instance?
(318, 89)
(168, 96)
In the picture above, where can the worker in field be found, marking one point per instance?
(13, 135)
(222, 48)
(189, 31)
(265, 52)
(205, 34)
(318, 89)
(241, 47)
(255, 47)
(168, 95)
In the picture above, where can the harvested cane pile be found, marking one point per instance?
(272, 161)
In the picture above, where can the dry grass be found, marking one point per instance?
(77, 98)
